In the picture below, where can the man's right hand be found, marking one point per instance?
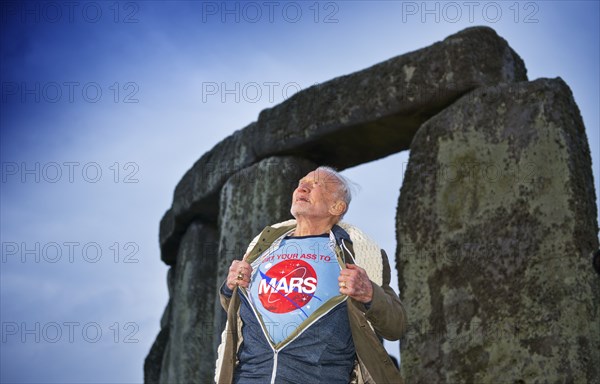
(239, 274)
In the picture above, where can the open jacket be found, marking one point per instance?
(385, 316)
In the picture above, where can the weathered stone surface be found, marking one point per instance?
(189, 356)
(372, 113)
(496, 222)
(197, 193)
(348, 120)
(153, 362)
(251, 199)
(169, 245)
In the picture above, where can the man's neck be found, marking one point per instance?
(312, 227)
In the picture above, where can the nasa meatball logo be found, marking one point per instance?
(287, 286)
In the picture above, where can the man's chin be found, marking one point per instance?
(297, 211)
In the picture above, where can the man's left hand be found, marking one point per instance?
(354, 282)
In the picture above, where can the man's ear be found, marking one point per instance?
(338, 208)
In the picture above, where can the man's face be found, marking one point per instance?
(316, 196)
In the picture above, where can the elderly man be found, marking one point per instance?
(303, 306)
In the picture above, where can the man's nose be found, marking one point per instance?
(303, 187)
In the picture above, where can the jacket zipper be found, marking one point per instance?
(276, 351)
(274, 373)
(266, 334)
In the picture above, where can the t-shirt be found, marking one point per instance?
(295, 321)
(294, 285)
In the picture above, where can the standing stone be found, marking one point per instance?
(153, 361)
(251, 199)
(496, 222)
(189, 355)
(348, 120)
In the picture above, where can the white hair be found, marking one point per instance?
(346, 186)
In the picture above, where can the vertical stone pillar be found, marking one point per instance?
(153, 364)
(153, 361)
(189, 356)
(496, 221)
(251, 199)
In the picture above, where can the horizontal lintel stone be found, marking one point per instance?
(348, 120)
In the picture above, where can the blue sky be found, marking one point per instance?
(106, 104)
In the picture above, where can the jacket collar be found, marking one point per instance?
(340, 234)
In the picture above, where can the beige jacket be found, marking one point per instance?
(385, 317)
